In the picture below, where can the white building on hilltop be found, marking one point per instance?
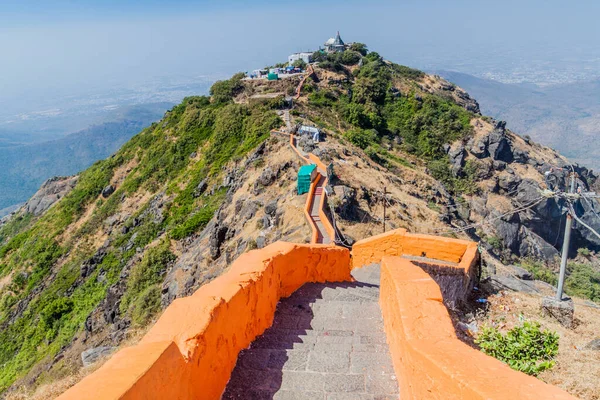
(334, 45)
(304, 56)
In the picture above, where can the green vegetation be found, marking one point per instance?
(225, 91)
(378, 112)
(39, 316)
(144, 275)
(299, 64)
(582, 280)
(524, 348)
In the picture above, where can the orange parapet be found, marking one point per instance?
(192, 349)
(429, 360)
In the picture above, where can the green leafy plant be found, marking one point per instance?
(525, 348)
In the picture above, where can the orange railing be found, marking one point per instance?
(191, 350)
(429, 360)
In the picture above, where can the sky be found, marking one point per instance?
(61, 47)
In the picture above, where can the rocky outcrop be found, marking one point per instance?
(90, 356)
(50, 192)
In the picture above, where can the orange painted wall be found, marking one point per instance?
(399, 242)
(193, 347)
(312, 159)
(429, 360)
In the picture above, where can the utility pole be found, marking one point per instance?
(384, 204)
(565, 248)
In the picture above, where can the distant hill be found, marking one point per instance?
(24, 168)
(565, 117)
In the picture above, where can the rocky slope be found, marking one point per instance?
(171, 209)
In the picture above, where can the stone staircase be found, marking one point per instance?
(326, 342)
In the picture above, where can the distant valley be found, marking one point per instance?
(565, 117)
(41, 138)
(23, 168)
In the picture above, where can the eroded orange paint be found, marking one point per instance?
(429, 360)
(191, 350)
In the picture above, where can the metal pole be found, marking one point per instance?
(384, 204)
(565, 248)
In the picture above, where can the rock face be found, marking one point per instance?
(90, 356)
(514, 168)
(50, 192)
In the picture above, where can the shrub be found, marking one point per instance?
(361, 138)
(299, 64)
(350, 57)
(146, 305)
(583, 280)
(583, 251)
(495, 242)
(56, 309)
(524, 348)
(147, 272)
(539, 270)
(359, 48)
(225, 91)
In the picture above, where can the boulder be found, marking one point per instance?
(271, 208)
(509, 282)
(457, 159)
(49, 193)
(201, 188)
(267, 177)
(90, 356)
(261, 241)
(509, 182)
(107, 191)
(498, 145)
(216, 238)
(521, 273)
(479, 147)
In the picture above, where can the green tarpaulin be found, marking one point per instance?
(305, 177)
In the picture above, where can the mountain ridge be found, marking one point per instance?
(178, 202)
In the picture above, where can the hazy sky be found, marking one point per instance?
(49, 47)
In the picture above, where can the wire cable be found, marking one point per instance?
(581, 222)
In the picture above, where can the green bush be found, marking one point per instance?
(55, 310)
(361, 137)
(359, 48)
(146, 273)
(225, 91)
(146, 305)
(583, 251)
(193, 223)
(350, 57)
(524, 348)
(583, 280)
(539, 270)
(299, 64)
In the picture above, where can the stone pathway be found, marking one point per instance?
(326, 343)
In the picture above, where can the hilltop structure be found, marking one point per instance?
(335, 45)
(305, 56)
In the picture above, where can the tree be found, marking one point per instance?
(359, 48)
(319, 56)
(350, 57)
(300, 63)
(225, 91)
